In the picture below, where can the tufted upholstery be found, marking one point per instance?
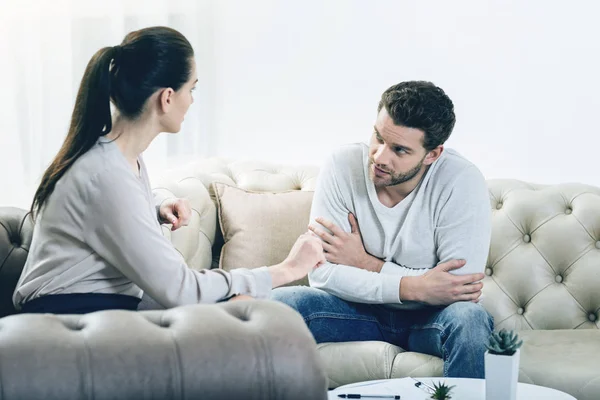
(542, 276)
(544, 263)
(240, 350)
(16, 230)
(543, 271)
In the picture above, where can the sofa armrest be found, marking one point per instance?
(194, 241)
(244, 349)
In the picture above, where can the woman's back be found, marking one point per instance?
(61, 259)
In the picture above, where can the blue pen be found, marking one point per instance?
(369, 396)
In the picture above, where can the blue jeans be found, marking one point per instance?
(456, 333)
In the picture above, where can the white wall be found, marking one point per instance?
(290, 80)
(294, 79)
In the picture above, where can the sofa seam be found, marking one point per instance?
(544, 258)
(269, 367)
(581, 387)
(521, 371)
(89, 363)
(178, 356)
(6, 258)
(577, 259)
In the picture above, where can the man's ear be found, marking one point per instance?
(166, 99)
(433, 155)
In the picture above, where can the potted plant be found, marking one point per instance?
(502, 365)
(441, 391)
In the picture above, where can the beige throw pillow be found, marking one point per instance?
(260, 228)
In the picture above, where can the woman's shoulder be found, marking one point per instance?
(99, 167)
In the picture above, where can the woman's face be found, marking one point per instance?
(181, 101)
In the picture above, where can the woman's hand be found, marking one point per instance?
(306, 254)
(176, 211)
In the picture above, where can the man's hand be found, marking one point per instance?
(439, 287)
(176, 211)
(345, 248)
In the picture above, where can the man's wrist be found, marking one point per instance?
(372, 263)
(408, 288)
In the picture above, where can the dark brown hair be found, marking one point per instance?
(127, 75)
(421, 105)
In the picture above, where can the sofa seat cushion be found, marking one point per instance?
(351, 362)
(416, 364)
(566, 360)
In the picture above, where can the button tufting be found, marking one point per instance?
(527, 238)
(598, 244)
(498, 206)
(520, 311)
(76, 327)
(15, 240)
(568, 210)
(164, 324)
(488, 271)
(558, 278)
(592, 317)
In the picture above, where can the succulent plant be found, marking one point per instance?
(504, 343)
(441, 391)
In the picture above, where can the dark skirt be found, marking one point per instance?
(80, 303)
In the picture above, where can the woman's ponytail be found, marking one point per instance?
(91, 119)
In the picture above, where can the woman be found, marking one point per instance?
(97, 242)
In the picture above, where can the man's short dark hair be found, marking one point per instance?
(421, 105)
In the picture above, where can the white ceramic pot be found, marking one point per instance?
(501, 376)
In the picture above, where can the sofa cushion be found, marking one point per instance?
(259, 228)
(566, 360)
(351, 362)
(410, 363)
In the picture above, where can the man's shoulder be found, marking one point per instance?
(349, 156)
(452, 168)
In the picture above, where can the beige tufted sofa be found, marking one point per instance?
(543, 272)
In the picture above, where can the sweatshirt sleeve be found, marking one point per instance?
(464, 223)
(349, 282)
(121, 229)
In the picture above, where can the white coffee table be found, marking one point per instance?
(465, 389)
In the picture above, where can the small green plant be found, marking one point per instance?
(441, 391)
(504, 343)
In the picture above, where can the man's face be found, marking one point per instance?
(396, 153)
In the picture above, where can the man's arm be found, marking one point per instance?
(464, 225)
(351, 283)
(463, 232)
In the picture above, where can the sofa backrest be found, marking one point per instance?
(543, 269)
(16, 230)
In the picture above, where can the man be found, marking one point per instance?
(406, 228)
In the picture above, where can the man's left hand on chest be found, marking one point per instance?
(176, 212)
(345, 248)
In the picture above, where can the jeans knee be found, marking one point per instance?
(470, 316)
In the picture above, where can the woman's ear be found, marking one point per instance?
(166, 99)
